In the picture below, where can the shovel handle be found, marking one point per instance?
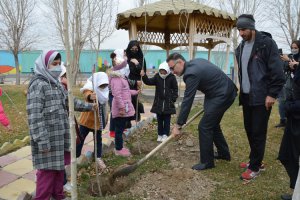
(161, 145)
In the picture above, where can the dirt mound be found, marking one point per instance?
(179, 181)
(175, 180)
(174, 184)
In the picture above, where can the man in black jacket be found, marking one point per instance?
(261, 79)
(220, 92)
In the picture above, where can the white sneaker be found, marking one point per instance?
(159, 138)
(164, 137)
(101, 164)
(68, 187)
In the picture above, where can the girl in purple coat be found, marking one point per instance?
(122, 107)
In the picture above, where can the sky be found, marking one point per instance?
(119, 38)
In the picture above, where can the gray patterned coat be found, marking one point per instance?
(48, 122)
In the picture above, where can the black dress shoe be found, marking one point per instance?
(286, 197)
(222, 157)
(203, 166)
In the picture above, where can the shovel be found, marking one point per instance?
(126, 169)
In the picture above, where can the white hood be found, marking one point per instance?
(100, 78)
(166, 67)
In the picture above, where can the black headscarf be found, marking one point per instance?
(137, 55)
(135, 70)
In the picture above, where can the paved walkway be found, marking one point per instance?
(17, 174)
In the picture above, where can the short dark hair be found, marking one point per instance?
(175, 56)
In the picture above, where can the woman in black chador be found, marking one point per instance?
(290, 145)
(136, 62)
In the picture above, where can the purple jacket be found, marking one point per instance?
(122, 95)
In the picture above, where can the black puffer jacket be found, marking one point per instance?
(166, 93)
(264, 69)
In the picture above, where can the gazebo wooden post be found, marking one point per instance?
(227, 57)
(132, 30)
(167, 38)
(191, 36)
(209, 54)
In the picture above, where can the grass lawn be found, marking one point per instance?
(272, 182)
(14, 104)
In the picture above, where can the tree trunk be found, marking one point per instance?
(17, 68)
(71, 105)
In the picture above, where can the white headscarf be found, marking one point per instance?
(119, 61)
(166, 67)
(100, 78)
(63, 69)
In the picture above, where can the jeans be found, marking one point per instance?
(120, 123)
(111, 120)
(163, 124)
(84, 131)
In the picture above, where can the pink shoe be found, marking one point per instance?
(123, 152)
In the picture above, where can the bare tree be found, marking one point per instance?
(15, 28)
(104, 28)
(286, 14)
(71, 104)
(83, 18)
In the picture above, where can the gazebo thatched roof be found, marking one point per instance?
(173, 23)
(156, 13)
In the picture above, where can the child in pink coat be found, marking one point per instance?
(3, 118)
(122, 107)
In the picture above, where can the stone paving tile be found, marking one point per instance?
(89, 138)
(20, 167)
(6, 178)
(87, 148)
(7, 159)
(30, 175)
(22, 153)
(14, 189)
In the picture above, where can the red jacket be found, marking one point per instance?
(3, 118)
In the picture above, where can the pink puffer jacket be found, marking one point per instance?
(122, 96)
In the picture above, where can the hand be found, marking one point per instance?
(284, 57)
(45, 151)
(292, 63)
(135, 61)
(269, 102)
(93, 96)
(142, 73)
(139, 84)
(122, 111)
(175, 131)
(95, 106)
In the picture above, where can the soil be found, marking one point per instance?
(176, 181)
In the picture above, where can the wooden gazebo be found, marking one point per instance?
(174, 23)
